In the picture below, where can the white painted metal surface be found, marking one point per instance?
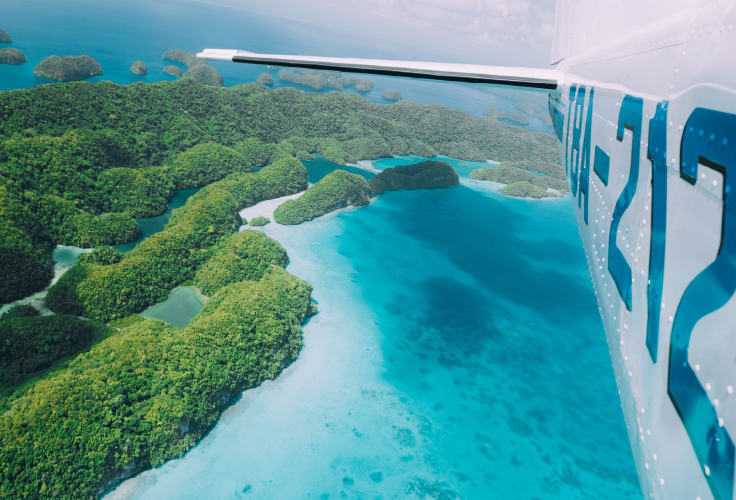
(548, 79)
(644, 103)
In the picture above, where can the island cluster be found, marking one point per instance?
(92, 393)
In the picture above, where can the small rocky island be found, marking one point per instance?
(206, 74)
(520, 118)
(68, 68)
(265, 79)
(199, 69)
(520, 183)
(425, 175)
(394, 95)
(365, 85)
(321, 80)
(12, 56)
(259, 221)
(4, 37)
(173, 70)
(138, 68)
(182, 56)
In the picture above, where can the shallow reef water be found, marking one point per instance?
(457, 353)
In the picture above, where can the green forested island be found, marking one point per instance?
(67, 68)
(424, 175)
(12, 56)
(520, 118)
(70, 152)
(259, 221)
(336, 190)
(519, 182)
(85, 404)
(321, 80)
(138, 68)
(197, 69)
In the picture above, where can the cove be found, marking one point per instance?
(319, 167)
(66, 256)
(457, 353)
(153, 225)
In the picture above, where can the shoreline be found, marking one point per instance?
(265, 208)
(366, 165)
(37, 299)
(498, 186)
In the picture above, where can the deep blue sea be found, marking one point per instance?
(457, 352)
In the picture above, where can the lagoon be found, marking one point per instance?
(182, 304)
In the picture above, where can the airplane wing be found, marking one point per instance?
(530, 78)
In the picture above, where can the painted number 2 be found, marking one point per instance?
(705, 142)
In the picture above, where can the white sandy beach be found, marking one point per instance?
(364, 165)
(266, 208)
(60, 267)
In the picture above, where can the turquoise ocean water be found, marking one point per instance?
(457, 354)
(458, 351)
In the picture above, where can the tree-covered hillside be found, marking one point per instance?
(71, 151)
(84, 405)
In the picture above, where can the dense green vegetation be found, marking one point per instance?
(25, 261)
(524, 189)
(244, 256)
(198, 69)
(520, 118)
(142, 192)
(67, 68)
(146, 274)
(30, 343)
(108, 403)
(265, 79)
(512, 176)
(548, 168)
(259, 221)
(156, 121)
(321, 80)
(101, 255)
(68, 225)
(204, 164)
(12, 56)
(336, 190)
(126, 322)
(147, 393)
(20, 311)
(425, 175)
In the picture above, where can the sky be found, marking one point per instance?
(503, 32)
